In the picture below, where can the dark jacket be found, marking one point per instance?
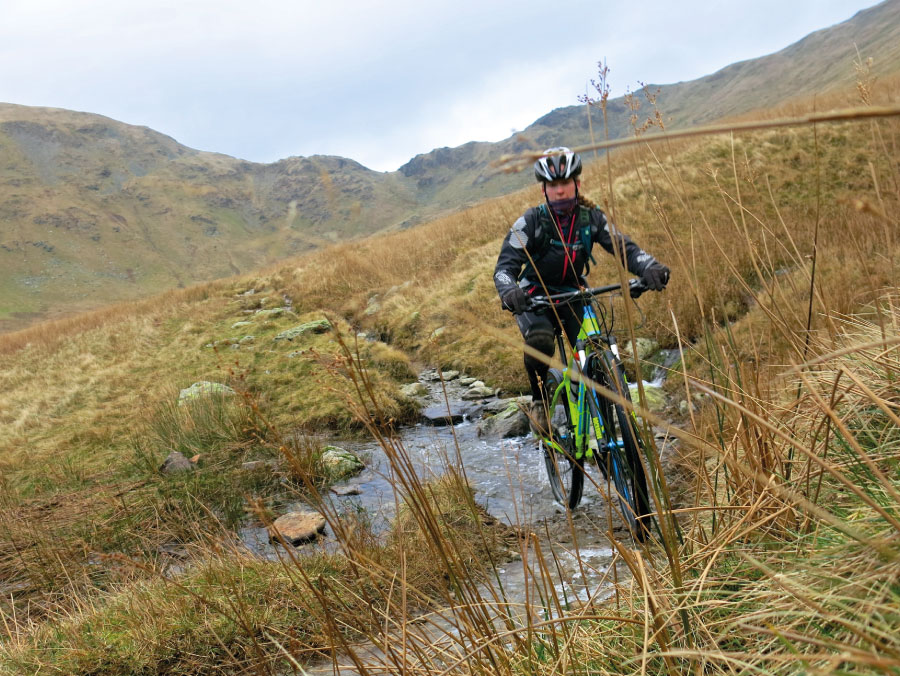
(533, 250)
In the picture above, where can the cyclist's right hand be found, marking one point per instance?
(516, 300)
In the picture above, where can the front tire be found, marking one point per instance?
(622, 463)
(566, 473)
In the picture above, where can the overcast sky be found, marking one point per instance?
(378, 82)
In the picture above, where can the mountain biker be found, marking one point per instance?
(547, 251)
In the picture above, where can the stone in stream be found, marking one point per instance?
(449, 375)
(441, 414)
(645, 347)
(468, 380)
(339, 463)
(511, 422)
(478, 392)
(297, 527)
(654, 395)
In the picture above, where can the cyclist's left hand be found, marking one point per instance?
(656, 276)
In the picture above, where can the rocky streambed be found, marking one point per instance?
(467, 425)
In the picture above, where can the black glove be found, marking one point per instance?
(515, 300)
(656, 276)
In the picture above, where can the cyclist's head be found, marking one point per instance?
(557, 164)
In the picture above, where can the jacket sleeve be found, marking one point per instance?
(635, 259)
(513, 254)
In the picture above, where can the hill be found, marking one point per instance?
(94, 210)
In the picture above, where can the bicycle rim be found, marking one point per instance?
(566, 474)
(622, 463)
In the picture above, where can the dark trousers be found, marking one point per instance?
(539, 331)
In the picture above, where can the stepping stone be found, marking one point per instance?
(441, 415)
(297, 527)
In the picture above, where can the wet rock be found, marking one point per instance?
(497, 405)
(348, 489)
(315, 326)
(449, 375)
(478, 393)
(511, 422)
(203, 388)
(297, 527)
(175, 463)
(474, 409)
(414, 390)
(467, 381)
(441, 414)
(339, 463)
(645, 347)
(655, 397)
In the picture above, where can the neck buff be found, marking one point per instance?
(563, 207)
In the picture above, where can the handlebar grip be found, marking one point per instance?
(636, 287)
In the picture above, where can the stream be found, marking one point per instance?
(508, 479)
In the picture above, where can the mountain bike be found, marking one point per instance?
(584, 425)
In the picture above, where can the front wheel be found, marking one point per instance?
(565, 471)
(621, 462)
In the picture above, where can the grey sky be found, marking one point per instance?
(376, 82)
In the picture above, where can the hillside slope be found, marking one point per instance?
(93, 210)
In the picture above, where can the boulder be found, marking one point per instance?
(481, 392)
(315, 326)
(655, 397)
(441, 414)
(645, 347)
(449, 375)
(467, 381)
(176, 462)
(204, 388)
(339, 463)
(414, 390)
(297, 527)
(511, 422)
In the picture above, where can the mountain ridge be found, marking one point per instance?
(94, 210)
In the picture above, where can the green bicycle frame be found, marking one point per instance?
(579, 408)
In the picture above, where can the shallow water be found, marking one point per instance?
(509, 480)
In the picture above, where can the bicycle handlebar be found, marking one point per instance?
(635, 288)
